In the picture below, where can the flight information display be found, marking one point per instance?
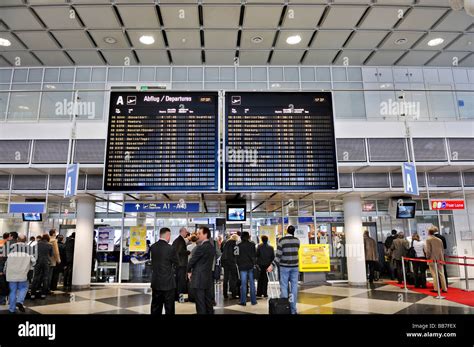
(280, 141)
(162, 141)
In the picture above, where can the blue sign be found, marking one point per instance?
(161, 207)
(72, 177)
(410, 179)
(26, 207)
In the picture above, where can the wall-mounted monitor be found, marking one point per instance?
(236, 213)
(32, 217)
(406, 210)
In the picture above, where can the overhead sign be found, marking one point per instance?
(161, 207)
(26, 207)
(314, 258)
(72, 177)
(446, 204)
(410, 179)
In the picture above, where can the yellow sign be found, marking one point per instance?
(314, 258)
(137, 239)
(270, 232)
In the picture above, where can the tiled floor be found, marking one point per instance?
(379, 298)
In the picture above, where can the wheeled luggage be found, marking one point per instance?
(276, 305)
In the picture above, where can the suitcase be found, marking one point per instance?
(277, 305)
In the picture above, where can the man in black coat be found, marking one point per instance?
(163, 263)
(445, 246)
(69, 250)
(179, 245)
(265, 257)
(200, 272)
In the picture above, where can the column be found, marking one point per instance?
(356, 269)
(85, 212)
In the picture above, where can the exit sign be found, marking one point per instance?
(446, 204)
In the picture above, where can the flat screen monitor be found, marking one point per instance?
(236, 213)
(406, 211)
(32, 217)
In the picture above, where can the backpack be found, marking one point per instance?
(411, 251)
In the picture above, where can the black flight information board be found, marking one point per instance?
(162, 141)
(280, 141)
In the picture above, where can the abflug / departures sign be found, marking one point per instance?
(290, 136)
(162, 141)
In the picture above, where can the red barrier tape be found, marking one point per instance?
(420, 260)
(453, 256)
(453, 263)
(439, 261)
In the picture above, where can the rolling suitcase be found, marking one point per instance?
(277, 305)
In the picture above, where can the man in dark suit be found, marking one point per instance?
(200, 272)
(179, 245)
(164, 260)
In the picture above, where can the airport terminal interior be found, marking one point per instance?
(342, 118)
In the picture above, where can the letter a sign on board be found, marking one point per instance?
(70, 185)
(410, 179)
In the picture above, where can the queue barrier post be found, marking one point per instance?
(466, 275)
(404, 274)
(437, 281)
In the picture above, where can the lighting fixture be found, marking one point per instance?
(435, 42)
(401, 41)
(21, 107)
(110, 40)
(293, 40)
(147, 40)
(257, 39)
(4, 42)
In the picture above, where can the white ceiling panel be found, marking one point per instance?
(98, 17)
(57, 17)
(11, 2)
(343, 17)
(384, 58)
(410, 36)
(139, 16)
(416, 58)
(19, 18)
(220, 57)
(355, 57)
(220, 39)
(90, 1)
(221, 1)
(455, 21)
(4, 62)
(326, 39)
(287, 57)
(37, 39)
(261, 17)
(395, 2)
(56, 58)
(302, 17)
(99, 37)
(366, 39)
(381, 17)
(305, 37)
(320, 57)
(266, 1)
(247, 35)
(448, 38)
(46, 2)
(15, 44)
(421, 18)
(134, 36)
(447, 58)
(253, 57)
(464, 43)
(468, 62)
(221, 16)
(438, 3)
(86, 57)
(189, 39)
(119, 57)
(25, 58)
(178, 1)
(180, 16)
(152, 57)
(186, 57)
(73, 39)
(135, 1)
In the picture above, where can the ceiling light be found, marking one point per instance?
(257, 39)
(401, 41)
(4, 42)
(50, 86)
(110, 40)
(435, 42)
(147, 40)
(293, 40)
(23, 107)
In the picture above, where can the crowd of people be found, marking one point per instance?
(191, 264)
(34, 266)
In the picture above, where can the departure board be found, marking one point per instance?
(280, 141)
(162, 141)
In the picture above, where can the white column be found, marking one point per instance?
(356, 270)
(81, 275)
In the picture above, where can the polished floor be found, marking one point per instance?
(379, 298)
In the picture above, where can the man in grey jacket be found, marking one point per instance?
(19, 262)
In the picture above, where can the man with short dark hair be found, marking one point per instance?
(288, 259)
(265, 256)
(164, 261)
(179, 246)
(54, 260)
(200, 272)
(246, 260)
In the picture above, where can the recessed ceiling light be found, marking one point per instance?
(50, 86)
(147, 40)
(435, 42)
(4, 42)
(293, 40)
(257, 39)
(23, 107)
(110, 40)
(401, 41)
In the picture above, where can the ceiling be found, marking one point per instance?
(216, 32)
